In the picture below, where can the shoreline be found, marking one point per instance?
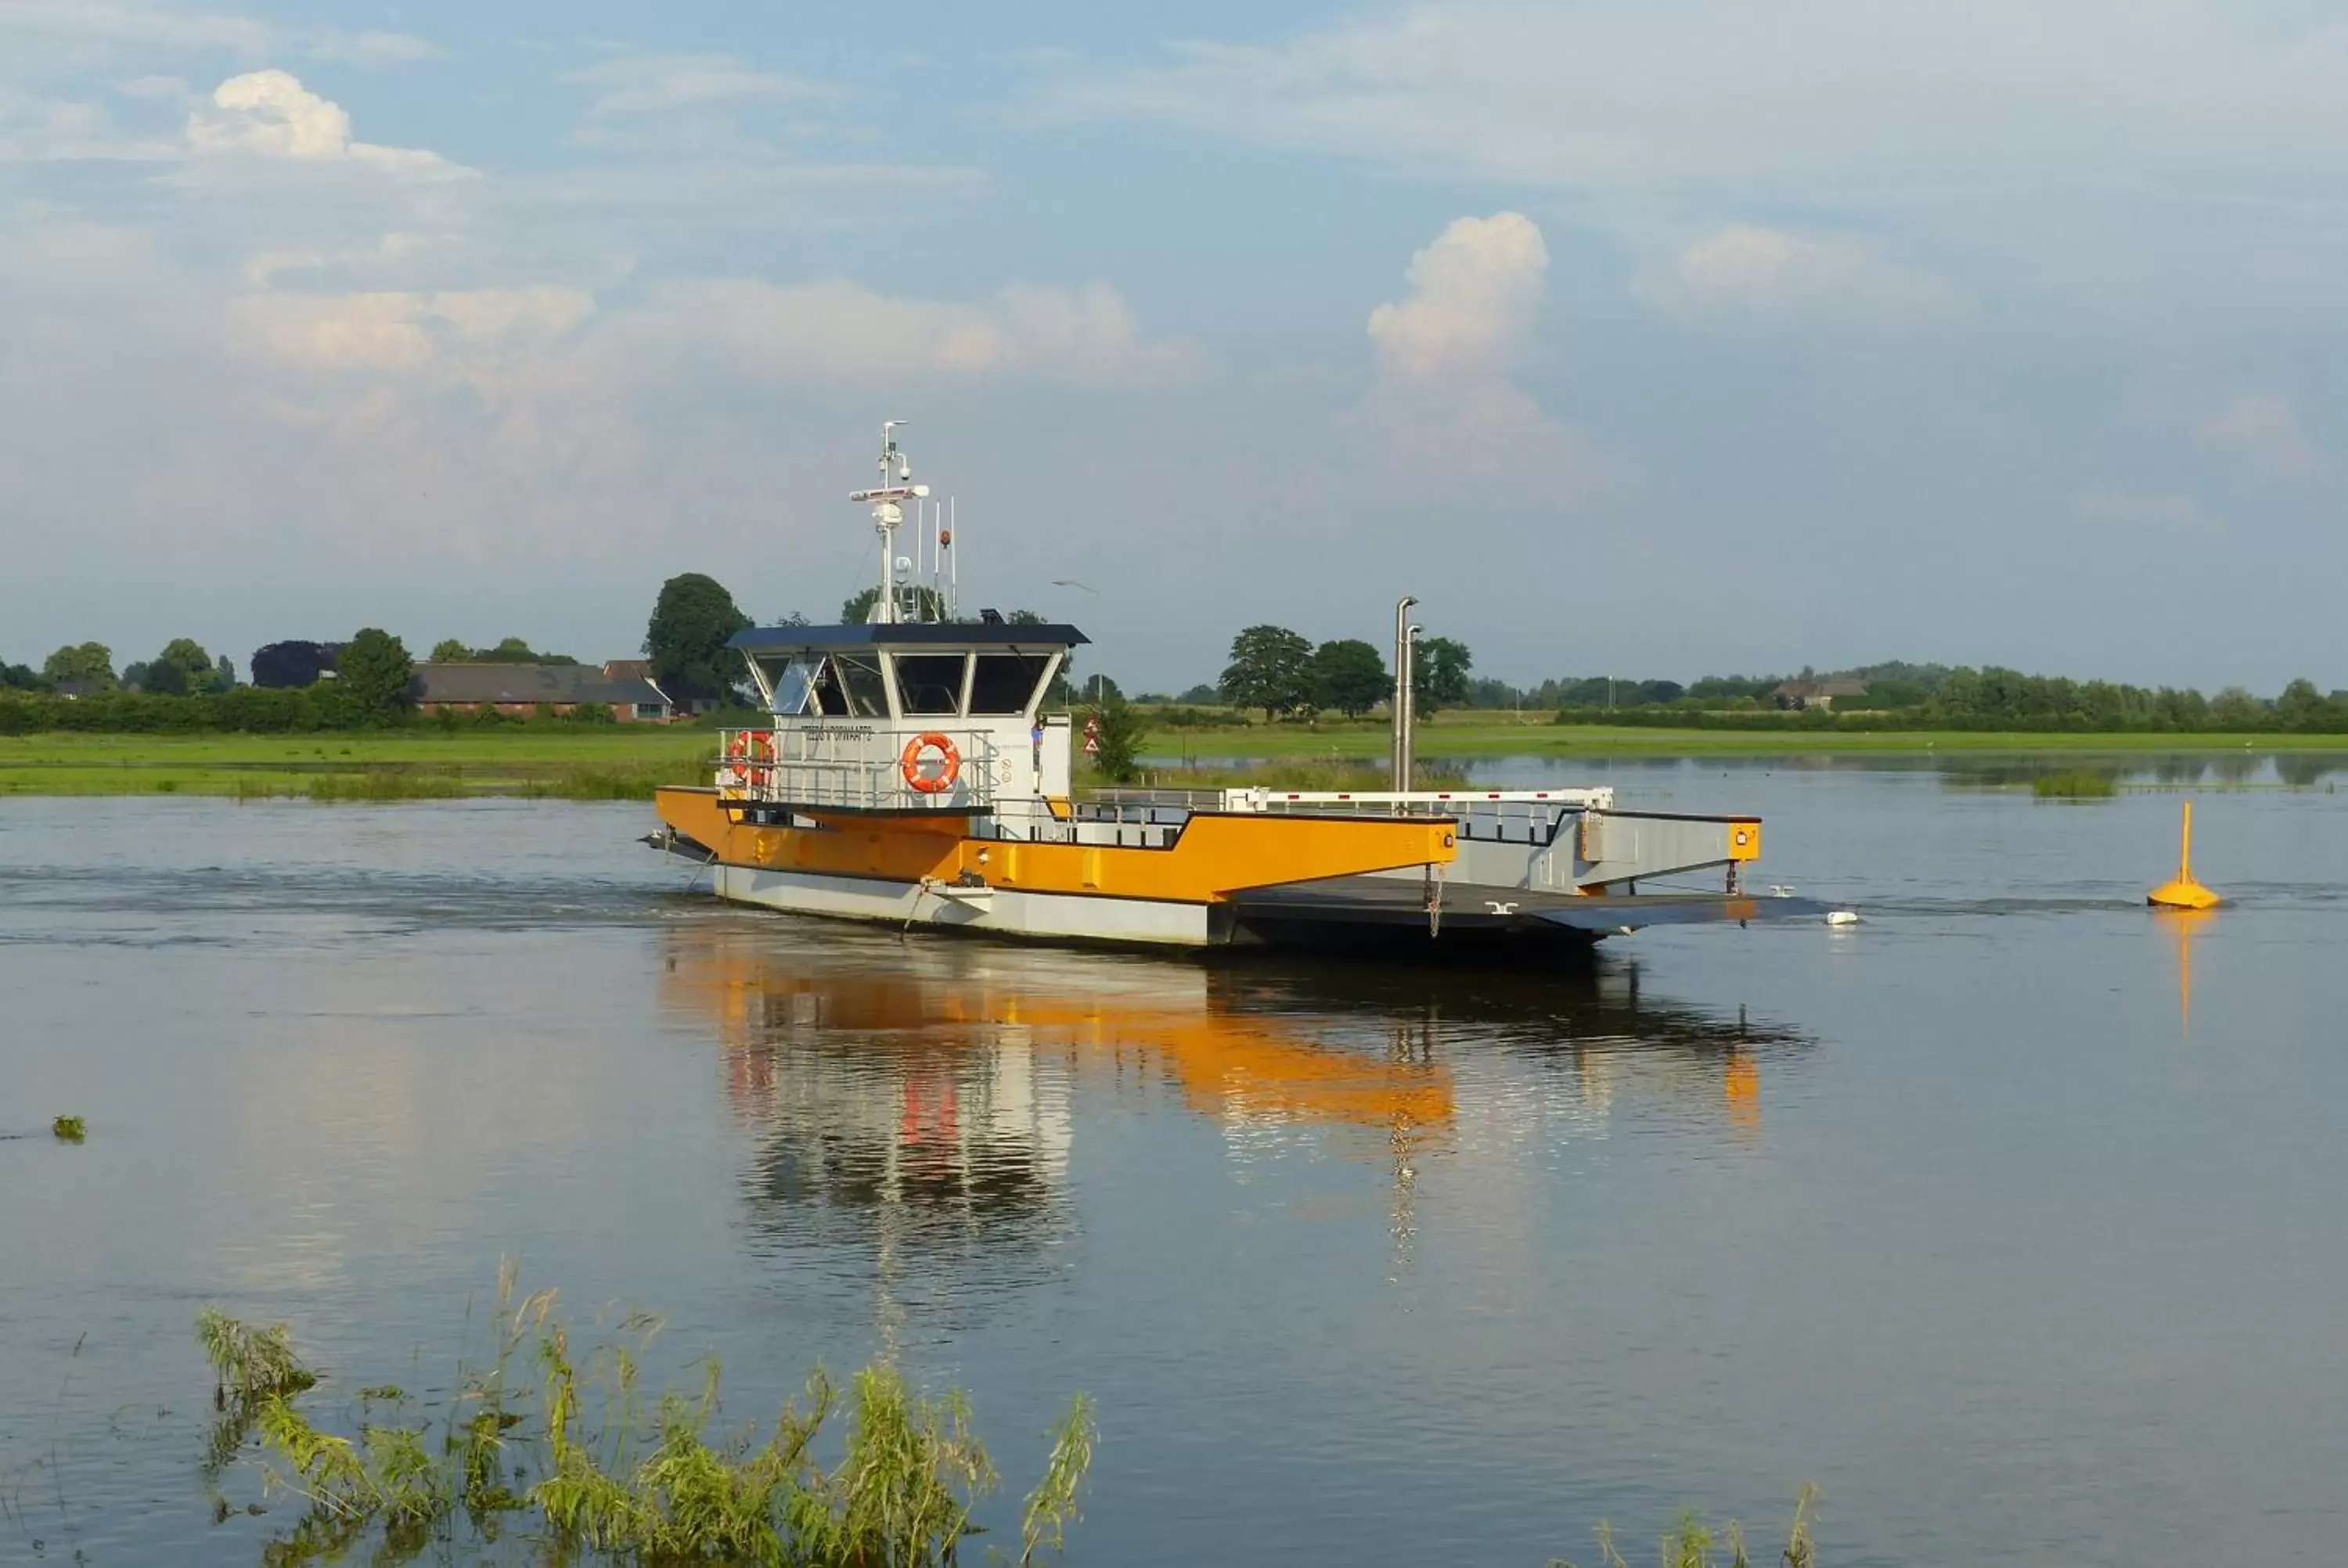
(1442, 742)
(603, 764)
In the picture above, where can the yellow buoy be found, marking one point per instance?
(2184, 892)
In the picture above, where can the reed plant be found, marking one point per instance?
(578, 1458)
(250, 1364)
(69, 1129)
(1691, 1544)
(2075, 784)
(386, 785)
(622, 780)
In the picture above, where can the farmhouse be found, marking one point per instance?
(521, 690)
(1816, 693)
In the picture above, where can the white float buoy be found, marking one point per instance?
(1842, 917)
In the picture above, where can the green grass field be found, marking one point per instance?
(583, 763)
(627, 763)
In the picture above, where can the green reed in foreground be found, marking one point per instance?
(1691, 1544)
(580, 1460)
(249, 1363)
(69, 1129)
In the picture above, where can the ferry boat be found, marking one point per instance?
(913, 771)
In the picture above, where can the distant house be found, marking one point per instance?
(524, 689)
(73, 690)
(642, 670)
(1800, 694)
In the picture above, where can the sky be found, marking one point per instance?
(1654, 339)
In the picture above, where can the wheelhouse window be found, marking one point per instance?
(824, 695)
(860, 679)
(1005, 682)
(795, 686)
(929, 683)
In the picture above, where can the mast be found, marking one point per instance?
(887, 502)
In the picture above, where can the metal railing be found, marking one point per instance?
(852, 768)
(1353, 803)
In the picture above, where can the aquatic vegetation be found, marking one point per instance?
(69, 1129)
(1052, 1506)
(387, 785)
(2075, 784)
(637, 781)
(1689, 1543)
(250, 1364)
(594, 1475)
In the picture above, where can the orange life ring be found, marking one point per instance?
(738, 745)
(762, 743)
(910, 764)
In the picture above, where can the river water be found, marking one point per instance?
(2013, 1217)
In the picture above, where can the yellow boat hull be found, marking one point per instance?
(930, 869)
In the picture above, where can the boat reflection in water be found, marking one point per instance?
(919, 1100)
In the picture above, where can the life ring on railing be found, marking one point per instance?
(762, 744)
(910, 764)
(738, 745)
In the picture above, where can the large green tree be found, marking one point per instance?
(1270, 669)
(82, 661)
(2236, 709)
(2302, 707)
(1347, 675)
(1438, 674)
(372, 677)
(510, 651)
(686, 638)
(184, 666)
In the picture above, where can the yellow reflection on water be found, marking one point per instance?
(2183, 926)
(941, 1015)
(912, 1103)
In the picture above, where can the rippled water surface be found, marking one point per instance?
(2013, 1217)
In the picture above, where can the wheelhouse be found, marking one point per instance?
(907, 671)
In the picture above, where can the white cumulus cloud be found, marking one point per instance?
(1474, 293)
(271, 115)
(1772, 277)
(1445, 402)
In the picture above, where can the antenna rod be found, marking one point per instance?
(1398, 705)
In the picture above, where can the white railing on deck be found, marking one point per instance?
(858, 771)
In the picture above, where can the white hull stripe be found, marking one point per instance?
(1011, 912)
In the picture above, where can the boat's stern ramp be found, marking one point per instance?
(1529, 866)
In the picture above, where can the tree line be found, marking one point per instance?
(1898, 695)
(359, 684)
(369, 680)
(1287, 676)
